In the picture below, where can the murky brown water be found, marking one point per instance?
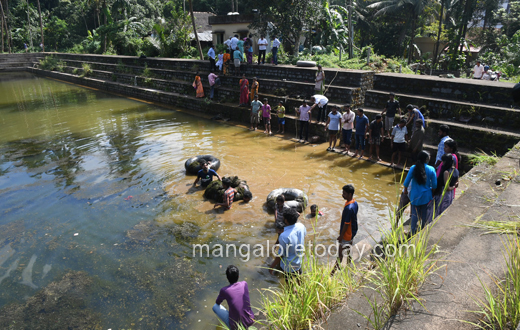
(72, 157)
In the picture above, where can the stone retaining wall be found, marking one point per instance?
(465, 90)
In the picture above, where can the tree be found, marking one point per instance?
(414, 8)
(288, 19)
(195, 31)
(41, 26)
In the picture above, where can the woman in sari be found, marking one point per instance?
(197, 84)
(227, 58)
(244, 91)
(254, 89)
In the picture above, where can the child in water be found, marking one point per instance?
(314, 208)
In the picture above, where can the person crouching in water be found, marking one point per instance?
(229, 195)
(236, 294)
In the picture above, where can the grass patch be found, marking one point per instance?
(482, 157)
(48, 63)
(87, 70)
(500, 309)
(498, 227)
(298, 306)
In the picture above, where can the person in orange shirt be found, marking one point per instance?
(227, 58)
(197, 84)
(349, 225)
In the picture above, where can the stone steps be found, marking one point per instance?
(452, 110)
(294, 89)
(468, 136)
(465, 90)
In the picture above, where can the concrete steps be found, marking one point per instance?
(437, 108)
(294, 89)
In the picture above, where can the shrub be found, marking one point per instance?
(87, 70)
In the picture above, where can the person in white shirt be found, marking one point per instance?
(320, 101)
(348, 125)
(228, 44)
(262, 46)
(486, 75)
(276, 44)
(478, 71)
(211, 55)
(398, 143)
(234, 42)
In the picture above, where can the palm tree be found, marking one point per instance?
(195, 30)
(414, 8)
(41, 26)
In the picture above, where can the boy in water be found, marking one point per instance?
(248, 196)
(205, 175)
(314, 208)
(349, 225)
(229, 195)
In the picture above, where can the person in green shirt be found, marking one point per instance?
(280, 111)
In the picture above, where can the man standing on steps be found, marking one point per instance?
(211, 55)
(321, 102)
(234, 43)
(262, 47)
(213, 80)
(392, 107)
(255, 106)
(361, 129)
(274, 49)
(305, 117)
(478, 71)
(444, 130)
(228, 44)
(333, 125)
(348, 125)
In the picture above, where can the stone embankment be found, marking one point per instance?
(480, 113)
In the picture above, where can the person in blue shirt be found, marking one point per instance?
(413, 115)
(205, 175)
(211, 55)
(292, 246)
(361, 129)
(423, 181)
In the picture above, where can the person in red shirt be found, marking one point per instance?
(349, 225)
(229, 194)
(237, 296)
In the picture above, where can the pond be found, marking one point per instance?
(96, 183)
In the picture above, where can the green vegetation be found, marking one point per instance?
(498, 227)
(482, 157)
(297, 305)
(87, 70)
(388, 27)
(401, 267)
(500, 309)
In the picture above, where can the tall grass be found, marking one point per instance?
(299, 303)
(500, 309)
(401, 267)
(498, 227)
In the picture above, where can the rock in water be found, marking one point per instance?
(13, 266)
(46, 270)
(27, 273)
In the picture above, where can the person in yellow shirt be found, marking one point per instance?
(280, 111)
